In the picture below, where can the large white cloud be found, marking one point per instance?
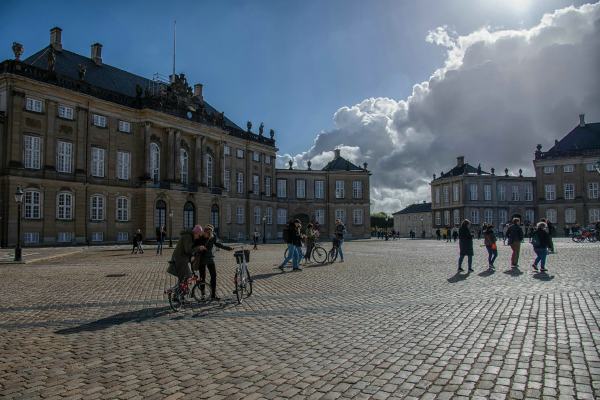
(498, 94)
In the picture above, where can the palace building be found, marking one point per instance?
(101, 152)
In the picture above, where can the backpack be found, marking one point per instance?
(286, 234)
(535, 239)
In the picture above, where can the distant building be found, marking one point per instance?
(416, 217)
(568, 184)
(466, 192)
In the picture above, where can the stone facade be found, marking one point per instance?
(96, 165)
(416, 217)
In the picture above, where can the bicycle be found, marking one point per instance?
(318, 254)
(583, 235)
(242, 280)
(180, 294)
(333, 253)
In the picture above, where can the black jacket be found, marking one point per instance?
(541, 239)
(465, 241)
(514, 233)
(207, 255)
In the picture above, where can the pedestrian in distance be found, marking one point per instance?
(161, 234)
(137, 242)
(340, 231)
(489, 240)
(293, 238)
(504, 231)
(465, 245)
(438, 234)
(309, 238)
(255, 237)
(204, 258)
(514, 237)
(541, 243)
(455, 234)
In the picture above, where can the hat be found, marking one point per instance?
(197, 229)
(209, 226)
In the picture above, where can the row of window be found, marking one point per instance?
(67, 112)
(67, 237)
(65, 206)
(282, 215)
(240, 153)
(569, 191)
(444, 194)
(475, 217)
(569, 168)
(319, 189)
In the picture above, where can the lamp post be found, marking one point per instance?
(19, 201)
(264, 220)
(422, 229)
(170, 228)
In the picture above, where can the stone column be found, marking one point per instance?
(170, 155)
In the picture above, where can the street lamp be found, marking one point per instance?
(19, 200)
(170, 228)
(264, 220)
(422, 229)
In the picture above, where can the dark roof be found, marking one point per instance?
(341, 164)
(466, 168)
(104, 76)
(415, 209)
(580, 139)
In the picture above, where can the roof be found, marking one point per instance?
(581, 138)
(417, 208)
(341, 164)
(104, 76)
(464, 169)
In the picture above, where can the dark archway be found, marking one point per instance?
(160, 214)
(214, 216)
(189, 215)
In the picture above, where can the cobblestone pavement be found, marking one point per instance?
(393, 321)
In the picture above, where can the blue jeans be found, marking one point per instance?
(492, 254)
(159, 247)
(469, 260)
(541, 256)
(340, 252)
(294, 255)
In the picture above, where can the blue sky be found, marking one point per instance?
(291, 64)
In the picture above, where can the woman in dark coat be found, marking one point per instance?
(541, 241)
(205, 259)
(465, 244)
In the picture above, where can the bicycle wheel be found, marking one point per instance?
(199, 291)
(239, 287)
(175, 300)
(319, 254)
(248, 285)
(333, 253)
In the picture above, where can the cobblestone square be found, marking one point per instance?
(393, 321)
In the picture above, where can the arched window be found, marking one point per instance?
(209, 170)
(32, 204)
(214, 215)
(64, 205)
(122, 209)
(183, 164)
(160, 214)
(97, 207)
(189, 215)
(155, 162)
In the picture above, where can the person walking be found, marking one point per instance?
(184, 250)
(137, 242)
(514, 237)
(310, 238)
(550, 229)
(540, 241)
(340, 231)
(438, 234)
(255, 237)
(205, 258)
(465, 245)
(504, 231)
(161, 234)
(455, 234)
(489, 240)
(292, 237)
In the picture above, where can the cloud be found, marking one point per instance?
(498, 94)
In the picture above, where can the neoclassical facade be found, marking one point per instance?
(101, 152)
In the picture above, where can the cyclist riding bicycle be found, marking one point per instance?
(204, 258)
(183, 253)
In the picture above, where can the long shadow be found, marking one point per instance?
(543, 276)
(487, 272)
(317, 265)
(458, 277)
(266, 276)
(117, 319)
(514, 272)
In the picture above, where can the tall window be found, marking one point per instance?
(99, 120)
(300, 188)
(155, 162)
(255, 184)
(456, 216)
(97, 207)
(65, 111)
(550, 191)
(184, 165)
(64, 157)
(475, 216)
(228, 214)
(98, 162)
(340, 214)
(446, 217)
(189, 215)
(268, 186)
(281, 216)
(473, 192)
(593, 190)
(551, 215)
(530, 215)
(214, 215)
(357, 190)
(32, 204)
(123, 164)
(570, 217)
(446, 194)
(320, 216)
(501, 193)
(339, 189)
(502, 216)
(31, 152)
(357, 216)
(515, 193)
(34, 105)
(124, 127)
(160, 214)
(281, 188)
(455, 193)
(227, 179)
(568, 168)
(239, 153)
(488, 215)
(256, 156)
(64, 205)
(257, 220)
(267, 159)
(269, 215)
(122, 214)
(594, 215)
(438, 218)
(569, 191)
(226, 150)
(529, 192)
(590, 167)
(239, 215)
(65, 237)
(319, 189)
(240, 182)
(437, 195)
(487, 192)
(209, 170)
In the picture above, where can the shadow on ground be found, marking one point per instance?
(117, 319)
(487, 272)
(458, 277)
(543, 276)
(514, 272)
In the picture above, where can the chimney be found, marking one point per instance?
(97, 53)
(55, 38)
(582, 120)
(460, 161)
(198, 91)
(337, 153)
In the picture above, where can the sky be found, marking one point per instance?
(403, 85)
